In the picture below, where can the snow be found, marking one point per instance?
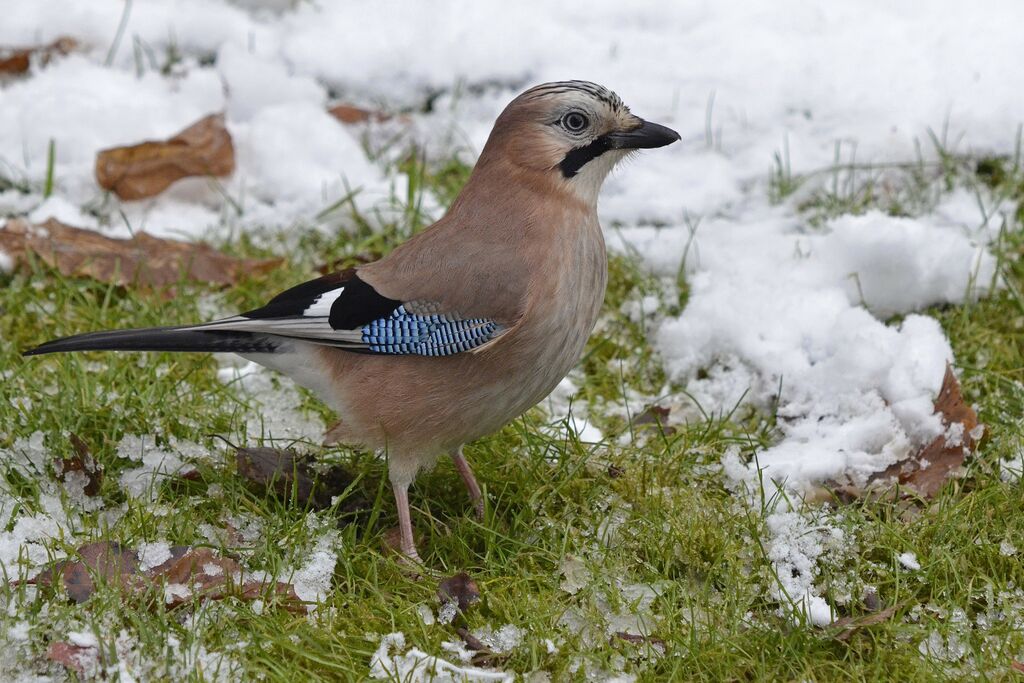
(157, 463)
(83, 639)
(312, 581)
(417, 666)
(153, 554)
(773, 307)
(909, 561)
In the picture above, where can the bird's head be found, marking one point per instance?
(573, 133)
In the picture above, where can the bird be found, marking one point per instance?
(467, 324)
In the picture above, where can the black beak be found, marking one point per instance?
(647, 136)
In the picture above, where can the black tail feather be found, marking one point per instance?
(161, 339)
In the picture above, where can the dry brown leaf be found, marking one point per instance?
(102, 560)
(472, 642)
(349, 114)
(73, 657)
(459, 588)
(655, 417)
(141, 260)
(615, 471)
(925, 472)
(148, 168)
(1017, 666)
(284, 473)
(847, 626)
(933, 465)
(81, 462)
(14, 61)
(195, 574)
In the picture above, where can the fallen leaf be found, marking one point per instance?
(102, 560)
(656, 417)
(188, 575)
(847, 626)
(460, 589)
(933, 465)
(148, 168)
(1017, 666)
(141, 260)
(81, 463)
(14, 61)
(926, 471)
(472, 642)
(615, 471)
(871, 601)
(73, 657)
(349, 114)
(284, 473)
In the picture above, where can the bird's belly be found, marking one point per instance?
(415, 404)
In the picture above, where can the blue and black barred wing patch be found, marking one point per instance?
(403, 332)
(342, 311)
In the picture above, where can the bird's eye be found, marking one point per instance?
(574, 122)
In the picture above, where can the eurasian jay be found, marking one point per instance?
(466, 325)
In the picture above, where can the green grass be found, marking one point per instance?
(650, 512)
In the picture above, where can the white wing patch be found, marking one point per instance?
(321, 307)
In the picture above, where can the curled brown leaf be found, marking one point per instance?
(284, 473)
(148, 168)
(941, 459)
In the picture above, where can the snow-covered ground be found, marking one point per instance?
(775, 303)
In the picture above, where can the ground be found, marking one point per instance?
(786, 287)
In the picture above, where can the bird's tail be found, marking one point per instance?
(162, 339)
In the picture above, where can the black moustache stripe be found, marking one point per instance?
(578, 158)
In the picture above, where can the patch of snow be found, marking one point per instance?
(64, 211)
(276, 402)
(312, 581)
(153, 554)
(780, 317)
(447, 612)
(416, 666)
(562, 407)
(426, 614)
(909, 561)
(83, 639)
(156, 462)
(502, 640)
(947, 649)
(19, 631)
(1012, 469)
(577, 574)
(794, 547)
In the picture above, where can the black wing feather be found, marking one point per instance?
(357, 305)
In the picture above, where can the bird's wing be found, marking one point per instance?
(343, 311)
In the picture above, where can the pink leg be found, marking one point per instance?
(408, 544)
(466, 473)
